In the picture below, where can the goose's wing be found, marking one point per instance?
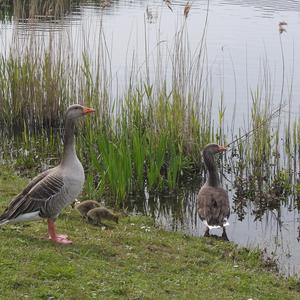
(204, 204)
(224, 205)
(30, 185)
(220, 208)
(213, 205)
(35, 196)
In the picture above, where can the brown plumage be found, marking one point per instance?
(96, 215)
(213, 202)
(85, 206)
(51, 191)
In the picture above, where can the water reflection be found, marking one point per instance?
(6, 11)
(50, 11)
(23, 11)
(265, 6)
(273, 226)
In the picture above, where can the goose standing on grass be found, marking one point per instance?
(213, 202)
(48, 193)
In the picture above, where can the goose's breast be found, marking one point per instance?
(73, 181)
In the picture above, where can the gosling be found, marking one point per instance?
(85, 206)
(96, 215)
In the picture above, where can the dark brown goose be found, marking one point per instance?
(48, 193)
(213, 202)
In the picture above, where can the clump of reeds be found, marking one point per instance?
(39, 10)
(148, 138)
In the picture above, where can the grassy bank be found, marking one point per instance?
(133, 260)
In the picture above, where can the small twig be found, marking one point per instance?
(169, 4)
(249, 133)
(223, 175)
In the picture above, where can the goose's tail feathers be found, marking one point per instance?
(3, 222)
(3, 219)
(225, 223)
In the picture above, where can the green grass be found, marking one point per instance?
(133, 260)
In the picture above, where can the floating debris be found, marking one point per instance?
(105, 4)
(187, 8)
(281, 28)
(282, 23)
(168, 3)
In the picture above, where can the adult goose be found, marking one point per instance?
(213, 202)
(48, 193)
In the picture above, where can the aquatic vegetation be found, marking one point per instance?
(148, 137)
(34, 9)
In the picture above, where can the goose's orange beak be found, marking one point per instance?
(88, 110)
(222, 148)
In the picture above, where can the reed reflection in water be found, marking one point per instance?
(275, 231)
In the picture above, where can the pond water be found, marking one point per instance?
(276, 233)
(244, 48)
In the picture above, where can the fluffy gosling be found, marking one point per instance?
(85, 206)
(96, 215)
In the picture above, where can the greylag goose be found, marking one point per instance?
(48, 193)
(85, 206)
(213, 202)
(96, 215)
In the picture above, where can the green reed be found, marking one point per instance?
(149, 137)
(151, 143)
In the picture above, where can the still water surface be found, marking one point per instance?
(242, 41)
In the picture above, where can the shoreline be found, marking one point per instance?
(131, 260)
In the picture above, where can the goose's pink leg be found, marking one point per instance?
(58, 238)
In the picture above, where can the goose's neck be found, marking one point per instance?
(213, 176)
(69, 142)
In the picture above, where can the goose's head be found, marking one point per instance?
(214, 148)
(76, 111)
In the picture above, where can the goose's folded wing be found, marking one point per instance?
(220, 209)
(35, 196)
(30, 185)
(203, 207)
(213, 206)
(47, 187)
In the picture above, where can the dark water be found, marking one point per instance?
(277, 233)
(243, 45)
